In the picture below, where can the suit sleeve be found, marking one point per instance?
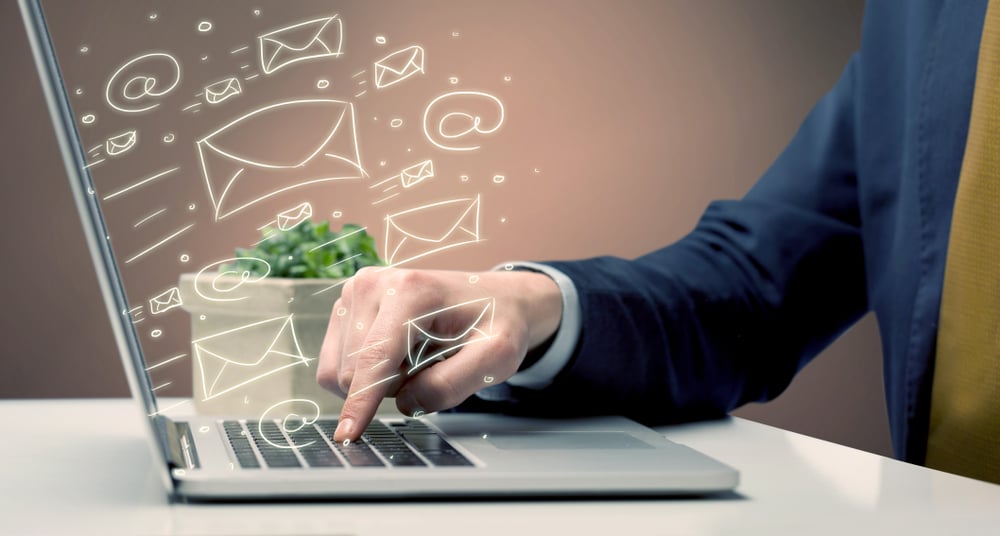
(732, 311)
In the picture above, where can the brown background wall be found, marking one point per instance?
(636, 114)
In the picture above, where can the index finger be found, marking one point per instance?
(377, 369)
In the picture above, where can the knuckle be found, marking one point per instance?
(344, 381)
(442, 390)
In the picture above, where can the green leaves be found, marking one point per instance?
(310, 251)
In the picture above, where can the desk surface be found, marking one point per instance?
(66, 476)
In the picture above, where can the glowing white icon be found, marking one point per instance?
(222, 284)
(322, 146)
(121, 143)
(425, 346)
(292, 217)
(416, 173)
(459, 124)
(135, 93)
(291, 423)
(222, 90)
(399, 66)
(422, 231)
(222, 373)
(309, 40)
(205, 26)
(165, 301)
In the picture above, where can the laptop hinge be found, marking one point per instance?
(178, 443)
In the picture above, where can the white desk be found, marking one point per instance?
(64, 475)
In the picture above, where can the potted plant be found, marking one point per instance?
(258, 319)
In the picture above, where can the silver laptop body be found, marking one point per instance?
(449, 455)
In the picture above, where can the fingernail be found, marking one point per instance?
(346, 427)
(417, 413)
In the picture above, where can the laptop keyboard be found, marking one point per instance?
(407, 443)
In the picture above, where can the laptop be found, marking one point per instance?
(147, 115)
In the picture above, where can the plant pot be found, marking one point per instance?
(255, 343)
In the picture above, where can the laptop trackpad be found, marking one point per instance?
(548, 440)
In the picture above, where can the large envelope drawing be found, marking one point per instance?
(290, 218)
(424, 346)
(398, 66)
(417, 173)
(264, 348)
(121, 143)
(421, 231)
(165, 301)
(222, 90)
(242, 162)
(309, 40)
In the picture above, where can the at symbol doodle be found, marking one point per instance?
(459, 124)
(141, 80)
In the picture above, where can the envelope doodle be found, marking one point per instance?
(425, 346)
(398, 66)
(320, 145)
(121, 143)
(309, 40)
(221, 372)
(416, 174)
(290, 218)
(222, 90)
(165, 301)
(422, 231)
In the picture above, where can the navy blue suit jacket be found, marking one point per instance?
(853, 216)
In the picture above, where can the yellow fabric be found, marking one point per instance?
(965, 404)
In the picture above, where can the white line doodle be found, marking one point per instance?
(395, 123)
(88, 119)
(416, 174)
(205, 26)
(342, 261)
(369, 347)
(162, 385)
(168, 137)
(384, 199)
(425, 347)
(96, 148)
(170, 407)
(191, 106)
(122, 143)
(227, 285)
(331, 287)
(166, 362)
(309, 40)
(339, 238)
(405, 243)
(143, 87)
(241, 49)
(165, 301)
(135, 314)
(380, 382)
(398, 66)
(244, 67)
(359, 73)
(251, 77)
(473, 123)
(94, 163)
(156, 333)
(292, 217)
(359, 95)
(497, 179)
(322, 84)
(220, 372)
(169, 237)
(222, 90)
(225, 164)
(141, 183)
(298, 423)
(380, 39)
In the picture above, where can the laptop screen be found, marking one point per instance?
(248, 157)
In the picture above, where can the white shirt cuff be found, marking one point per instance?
(541, 374)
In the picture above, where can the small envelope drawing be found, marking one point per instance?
(398, 66)
(417, 173)
(121, 143)
(165, 301)
(288, 219)
(312, 39)
(223, 371)
(424, 346)
(222, 90)
(320, 144)
(421, 231)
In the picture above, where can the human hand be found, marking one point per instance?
(366, 355)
